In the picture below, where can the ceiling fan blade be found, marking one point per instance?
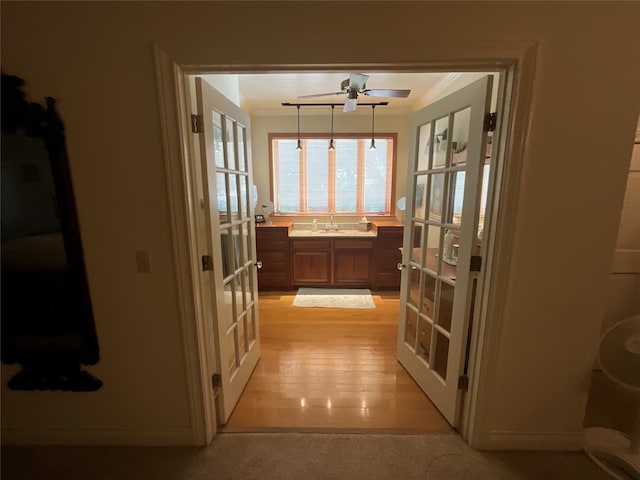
(350, 105)
(357, 81)
(320, 95)
(382, 92)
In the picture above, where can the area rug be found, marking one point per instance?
(334, 298)
(295, 456)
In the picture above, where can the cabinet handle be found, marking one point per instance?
(258, 264)
(401, 266)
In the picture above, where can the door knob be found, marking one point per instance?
(401, 266)
(258, 264)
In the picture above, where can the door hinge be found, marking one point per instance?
(463, 383)
(216, 380)
(490, 120)
(476, 263)
(207, 263)
(196, 123)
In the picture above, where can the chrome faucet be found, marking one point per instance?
(331, 225)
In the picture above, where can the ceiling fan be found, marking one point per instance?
(355, 85)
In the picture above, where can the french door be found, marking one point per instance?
(226, 177)
(448, 143)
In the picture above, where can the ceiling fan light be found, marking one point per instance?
(350, 105)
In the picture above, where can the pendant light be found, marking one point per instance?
(331, 145)
(373, 118)
(299, 145)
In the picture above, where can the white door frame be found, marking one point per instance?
(516, 62)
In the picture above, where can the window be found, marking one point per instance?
(350, 180)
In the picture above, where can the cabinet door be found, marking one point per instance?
(311, 267)
(352, 261)
(386, 257)
(353, 267)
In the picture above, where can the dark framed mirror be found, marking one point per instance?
(47, 319)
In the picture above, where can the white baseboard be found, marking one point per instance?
(505, 440)
(181, 436)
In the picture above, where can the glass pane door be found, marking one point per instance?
(445, 178)
(227, 175)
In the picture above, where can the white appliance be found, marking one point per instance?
(619, 356)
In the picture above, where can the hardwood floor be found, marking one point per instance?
(332, 369)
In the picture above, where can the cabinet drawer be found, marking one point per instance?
(268, 233)
(389, 238)
(410, 328)
(428, 307)
(323, 244)
(390, 233)
(274, 261)
(353, 243)
(272, 257)
(387, 280)
(272, 238)
(273, 281)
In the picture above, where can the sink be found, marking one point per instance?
(330, 233)
(304, 229)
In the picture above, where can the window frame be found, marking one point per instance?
(391, 163)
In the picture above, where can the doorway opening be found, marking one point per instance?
(516, 85)
(278, 397)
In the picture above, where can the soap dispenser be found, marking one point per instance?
(314, 225)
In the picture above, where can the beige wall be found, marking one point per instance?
(96, 59)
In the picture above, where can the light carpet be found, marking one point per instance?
(334, 298)
(297, 456)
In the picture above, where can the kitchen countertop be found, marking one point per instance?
(321, 233)
(294, 233)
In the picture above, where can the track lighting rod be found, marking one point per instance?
(287, 104)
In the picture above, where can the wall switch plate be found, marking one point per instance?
(143, 262)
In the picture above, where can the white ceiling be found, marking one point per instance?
(263, 94)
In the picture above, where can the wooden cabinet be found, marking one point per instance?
(344, 262)
(312, 261)
(349, 262)
(386, 256)
(272, 249)
(352, 262)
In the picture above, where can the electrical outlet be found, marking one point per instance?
(143, 262)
